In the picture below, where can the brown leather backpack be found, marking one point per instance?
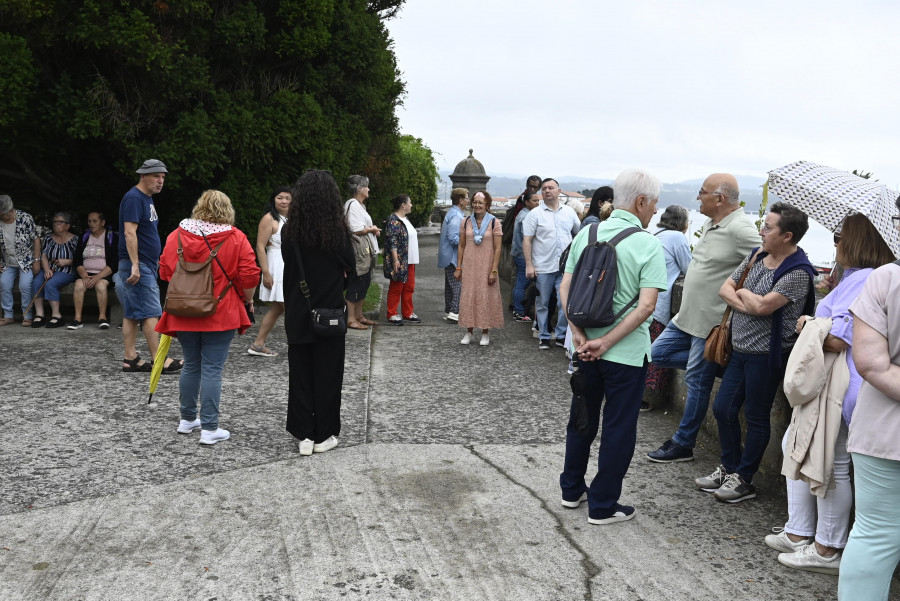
(191, 291)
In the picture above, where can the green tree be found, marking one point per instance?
(230, 94)
(412, 171)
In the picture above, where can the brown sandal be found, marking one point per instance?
(367, 322)
(355, 325)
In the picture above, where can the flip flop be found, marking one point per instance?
(367, 322)
(355, 325)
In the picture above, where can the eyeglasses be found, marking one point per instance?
(837, 237)
(703, 192)
(896, 221)
(57, 222)
(766, 228)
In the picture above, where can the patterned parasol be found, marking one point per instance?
(828, 195)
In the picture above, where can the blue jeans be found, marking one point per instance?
(51, 288)
(623, 387)
(873, 550)
(139, 301)
(546, 284)
(201, 377)
(749, 382)
(679, 350)
(7, 281)
(521, 285)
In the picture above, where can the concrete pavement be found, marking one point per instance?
(444, 485)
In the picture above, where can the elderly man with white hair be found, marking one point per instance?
(613, 359)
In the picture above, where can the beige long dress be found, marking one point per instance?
(480, 304)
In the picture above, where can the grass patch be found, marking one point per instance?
(373, 297)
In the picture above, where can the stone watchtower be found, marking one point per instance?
(470, 174)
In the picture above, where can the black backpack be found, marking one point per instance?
(593, 283)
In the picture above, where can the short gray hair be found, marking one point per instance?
(675, 217)
(632, 183)
(729, 193)
(355, 182)
(6, 204)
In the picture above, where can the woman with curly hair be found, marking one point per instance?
(317, 234)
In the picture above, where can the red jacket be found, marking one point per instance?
(238, 259)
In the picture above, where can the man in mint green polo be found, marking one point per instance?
(614, 359)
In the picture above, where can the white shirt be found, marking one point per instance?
(358, 219)
(552, 232)
(413, 253)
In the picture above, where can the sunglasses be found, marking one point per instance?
(837, 238)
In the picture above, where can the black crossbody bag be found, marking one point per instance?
(325, 322)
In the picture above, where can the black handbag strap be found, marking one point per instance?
(304, 287)
(215, 255)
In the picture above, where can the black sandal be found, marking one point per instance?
(175, 366)
(38, 321)
(133, 365)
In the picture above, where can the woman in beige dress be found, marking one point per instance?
(480, 240)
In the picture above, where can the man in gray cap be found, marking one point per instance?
(139, 250)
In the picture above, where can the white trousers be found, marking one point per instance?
(827, 518)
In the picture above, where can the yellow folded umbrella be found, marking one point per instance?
(158, 362)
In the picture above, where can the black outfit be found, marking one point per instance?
(316, 363)
(110, 245)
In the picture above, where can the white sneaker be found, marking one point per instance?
(306, 447)
(454, 317)
(485, 339)
(467, 338)
(780, 541)
(326, 445)
(808, 559)
(214, 436)
(186, 427)
(574, 504)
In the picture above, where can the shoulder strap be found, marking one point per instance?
(624, 234)
(304, 287)
(215, 255)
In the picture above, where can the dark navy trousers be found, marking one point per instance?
(622, 386)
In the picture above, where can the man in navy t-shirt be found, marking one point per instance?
(139, 250)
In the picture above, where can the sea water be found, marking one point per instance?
(818, 242)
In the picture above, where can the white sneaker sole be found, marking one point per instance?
(616, 517)
(189, 430)
(575, 504)
(213, 440)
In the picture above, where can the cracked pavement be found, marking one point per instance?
(444, 486)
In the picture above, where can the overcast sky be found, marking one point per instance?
(590, 87)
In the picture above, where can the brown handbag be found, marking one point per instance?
(718, 342)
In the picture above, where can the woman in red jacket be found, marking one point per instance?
(205, 340)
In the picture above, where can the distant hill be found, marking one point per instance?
(682, 193)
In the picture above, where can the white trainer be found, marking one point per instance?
(214, 436)
(326, 445)
(485, 339)
(780, 541)
(467, 339)
(808, 559)
(186, 427)
(454, 317)
(306, 447)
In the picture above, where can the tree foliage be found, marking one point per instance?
(412, 171)
(230, 94)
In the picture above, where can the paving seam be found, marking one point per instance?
(590, 568)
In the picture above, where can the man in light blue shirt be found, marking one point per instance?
(612, 360)
(548, 230)
(447, 251)
(532, 199)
